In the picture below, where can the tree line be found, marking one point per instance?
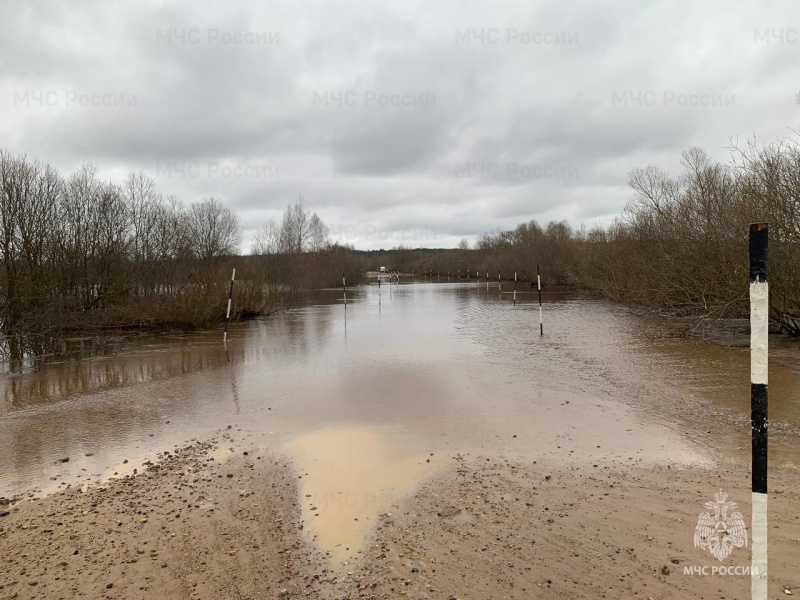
(679, 247)
(77, 252)
(81, 253)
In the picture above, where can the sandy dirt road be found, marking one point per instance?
(193, 526)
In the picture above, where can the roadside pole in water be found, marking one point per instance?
(344, 292)
(759, 358)
(539, 286)
(228, 312)
(515, 288)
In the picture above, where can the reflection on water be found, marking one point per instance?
(98, 368)
(27, 352)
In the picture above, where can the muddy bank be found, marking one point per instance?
(525, 531)
(195, 526)
(189, 526)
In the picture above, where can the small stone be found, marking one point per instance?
(665, 570)
(4, 513)
(109, 586)
(64, 460)
(284, 593)
(414, 570)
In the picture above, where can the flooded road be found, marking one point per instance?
(371, 400)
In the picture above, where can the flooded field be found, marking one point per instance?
(371, 401)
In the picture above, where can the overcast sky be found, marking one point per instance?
(398, 122)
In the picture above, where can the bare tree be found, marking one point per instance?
(295, 228)
(267, 240)
(212, 229)
(318, 234)
(142, 206)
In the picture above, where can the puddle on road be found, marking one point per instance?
(350, 475)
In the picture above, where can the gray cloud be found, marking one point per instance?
(412, 123)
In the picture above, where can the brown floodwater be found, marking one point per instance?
(371, 400)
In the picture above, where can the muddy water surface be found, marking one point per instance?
(370, 401)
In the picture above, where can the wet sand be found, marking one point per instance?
(192, 526)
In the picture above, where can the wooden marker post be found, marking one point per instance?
(539, 286)
(759, 331)
(228, 312)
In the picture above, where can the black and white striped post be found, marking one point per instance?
(228, 312)
(515, 288)
(344, 291)
(759, 331)
(539, 287)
